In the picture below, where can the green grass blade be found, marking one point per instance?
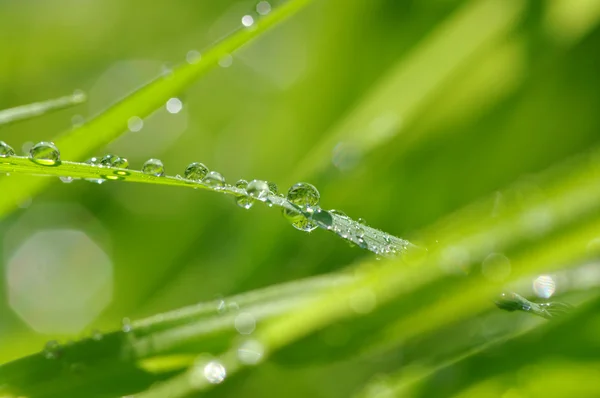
(29, 111)
(83, 141)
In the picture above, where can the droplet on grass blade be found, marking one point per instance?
(45, 153)
(154, 167)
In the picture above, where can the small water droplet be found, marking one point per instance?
(221, 306)
(6, 150)
(303, 195)
(338, 213)
(126, 325)
(244, 202)
(93, 161)
(251, 352)
(45, 153)
(245, 323)
(193, 57)
(153, 167)
(107, 160)
(66, 180)
(258, 189)
(362, 243)
(273, 188)
(195, 171)
(323, 218)
(241, 184)
(214, 372)
(120, 163)
(135, 124)
(214, 179)
(226, 61)
(174, 105)
(362, 221)
(52, 349)
(247, 21)
(263, 7)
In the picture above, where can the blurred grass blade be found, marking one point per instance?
(399, 96)
(80, 142)
(35, 109)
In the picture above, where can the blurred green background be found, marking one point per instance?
(400, 112)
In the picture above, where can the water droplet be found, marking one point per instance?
(135, 124)
(6, 150)
(241, 184)
(273, 188)
(544, 286)
(97, 335)
(107, 160)
(245, 323)
(323, 218)
(214, 372)
(225, 61)
(496, 267)
(247, 20)
(195, 171)
(244, 202)
(338, 213)
(214, 179)
(251, 352)
(66, 180)
(93, 161)
(298, 221)
(362, 243)
(174, 105)
(126, 325)
(52, 349)
(153, 167)
(362, 221)
(45, 153)
(258, 189)
(120, 163)
(303, 195)
(263, 7)
(193, 56)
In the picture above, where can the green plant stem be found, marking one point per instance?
(35, 109)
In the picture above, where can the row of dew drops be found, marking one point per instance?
(305, 216)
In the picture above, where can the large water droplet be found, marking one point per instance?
(107, 160)
(6, 150)
(154, 167)
(258, 189)
(195, 171)
(120, 163)
(214, 372)
(214, 179)
(303, 195)
(273, 188)
(244, 202)
(45, 153)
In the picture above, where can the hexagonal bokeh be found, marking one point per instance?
(59, 281)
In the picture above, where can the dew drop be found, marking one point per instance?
(120, 163)
(303, 195)
(298, 221)
(338, 213)
(362, 243)
(226, 61)
(126, 325)
(258, 189)
(241, 184)
(214, 372)
(244, 202)
(362, 221)
(193, 57)
(97, 335)
(323, 218)
(107, 160)
(66, 179)
(93, 161)
(45, 153)
(263, 7)
(247, 20)
(52, 349)
(214, 179)
(174, 105)
(195, 171)
(544, 286)
(135, 124)
(250, 352)
(6, 150)
(273, 188)
(153, 167)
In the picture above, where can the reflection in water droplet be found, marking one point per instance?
(153, 167)
(214, 372)
(226, 61)
(245, 323)
(243, 201)
(303, 195)
(263, 7)
(174, 105)
(135, 124)
(195, 171)
(258, 189)
(66, 180)
(247, 20)
(214, 179)
(120, 163)
(108, 160)
(192, 57)
(298, 220)
(241, 184)
(6, 150)
(251, 352)
(544, 286)
(45, 153)
(273, 188)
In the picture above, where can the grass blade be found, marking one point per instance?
(29, 111)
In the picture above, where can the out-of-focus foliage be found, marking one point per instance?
(401, 112)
